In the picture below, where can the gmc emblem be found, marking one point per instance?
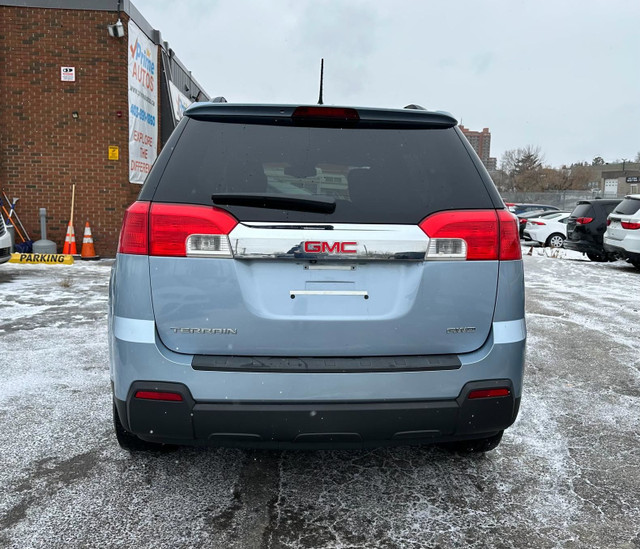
(316, 247)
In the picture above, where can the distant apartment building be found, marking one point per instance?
(481, 142)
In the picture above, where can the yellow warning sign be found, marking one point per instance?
(49, 259)
(114, 152)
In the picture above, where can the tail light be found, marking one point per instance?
(134, 236)
(630, 225)
(159, 395)
(584, 220)
(177, 230)
(608, 221)
(537, 222)
(472, 235)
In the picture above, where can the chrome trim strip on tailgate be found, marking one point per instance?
(338, 241)
(361, 293)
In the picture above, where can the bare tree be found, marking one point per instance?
(508, 161)
(526, 174)
(522, 167)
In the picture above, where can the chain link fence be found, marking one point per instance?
(565, 200)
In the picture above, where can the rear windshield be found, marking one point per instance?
(628, 206)
(583, 210)
(374, 175)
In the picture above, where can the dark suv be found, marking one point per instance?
(586, 226)
(316, 276)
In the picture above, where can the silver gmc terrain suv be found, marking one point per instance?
(312, 276)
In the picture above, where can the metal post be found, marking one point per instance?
(43, 223)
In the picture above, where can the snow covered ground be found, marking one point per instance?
(566, 474)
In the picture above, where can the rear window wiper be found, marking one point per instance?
(294, 202)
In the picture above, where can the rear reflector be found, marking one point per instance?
(630, 225)
(489, 393)
(584, 220)
(158, 395)
(472, 235)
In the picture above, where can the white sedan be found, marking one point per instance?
(5, 242)
(550, 230)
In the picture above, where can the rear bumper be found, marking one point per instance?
(317, 408)
(614, 248)
(584, 246)
(315, 424)
(370, 400)
(628, 246)
(533, 237)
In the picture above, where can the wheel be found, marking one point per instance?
(131, 443)
(556, 240)
(600, 258)
(475, 446)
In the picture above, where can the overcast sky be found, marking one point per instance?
(562, 75)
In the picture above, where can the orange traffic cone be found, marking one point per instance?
(88, 251)
(70, 242)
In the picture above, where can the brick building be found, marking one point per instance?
(69, 111)
(616, 179)
(481, 142)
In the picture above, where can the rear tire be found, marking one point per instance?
(556, 240)
(131, 443)
(476, 446)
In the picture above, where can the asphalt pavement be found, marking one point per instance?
(567, 474)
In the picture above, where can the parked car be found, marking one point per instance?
(622, 236)
(524, 217)
(549, 231)
(5, 242)
(522, 208)
(586, 226)
(316, 276)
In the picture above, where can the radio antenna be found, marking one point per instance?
(321, 80)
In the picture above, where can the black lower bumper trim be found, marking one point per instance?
(584, 246)
(316, 424)
(612, 248)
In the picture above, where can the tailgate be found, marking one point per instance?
(290, 294)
